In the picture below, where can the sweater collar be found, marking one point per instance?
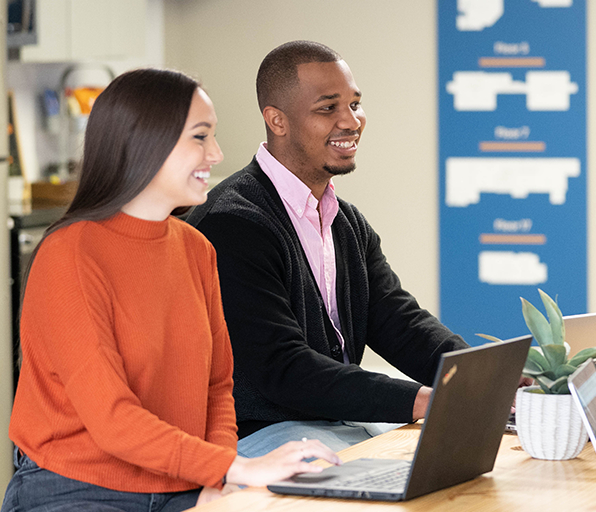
(134, 227)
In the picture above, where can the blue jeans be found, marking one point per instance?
(337, 435)
(39, 490)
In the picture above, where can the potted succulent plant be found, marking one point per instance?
(548, 424)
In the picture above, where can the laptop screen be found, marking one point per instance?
(582, 385)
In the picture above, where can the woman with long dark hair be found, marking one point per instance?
(125, 394)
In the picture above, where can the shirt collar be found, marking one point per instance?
(292, 190)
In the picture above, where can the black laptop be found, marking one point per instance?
(470, 404)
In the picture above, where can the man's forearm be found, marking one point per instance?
(421, 402)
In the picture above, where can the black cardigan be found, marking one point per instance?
(287, 366)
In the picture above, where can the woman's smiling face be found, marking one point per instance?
(183, 178)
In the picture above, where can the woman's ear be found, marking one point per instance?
(276, 120)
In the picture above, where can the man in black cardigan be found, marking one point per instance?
(305, 284)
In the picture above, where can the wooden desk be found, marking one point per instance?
(517, 483)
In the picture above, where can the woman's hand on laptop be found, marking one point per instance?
(281, 463)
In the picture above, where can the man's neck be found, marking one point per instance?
(316, 186)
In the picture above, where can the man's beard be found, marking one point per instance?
(339, 170)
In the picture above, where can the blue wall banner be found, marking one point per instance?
(512, 161)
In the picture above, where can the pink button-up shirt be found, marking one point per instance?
(314, 231)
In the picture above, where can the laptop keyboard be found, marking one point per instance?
(386, 479)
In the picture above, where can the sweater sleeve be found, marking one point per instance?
(75, 335)
(270, 347)
(400, 331)
(221, 418)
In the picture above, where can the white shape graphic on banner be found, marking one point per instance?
(554, 3)
(467, 178)
(511, 268)
(478, 90)
(475, 15)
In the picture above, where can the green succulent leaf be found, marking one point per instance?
(555, 354)
(537, 358)
(564, 370)
(532, 374)
(489, 337)
(560, 387)
(537, 323)
(555, 318)
(545, 383)
(531, 369)
(582, 355)
(553, 387)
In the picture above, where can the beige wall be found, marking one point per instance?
(390, 46)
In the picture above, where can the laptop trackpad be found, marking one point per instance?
(353, 468)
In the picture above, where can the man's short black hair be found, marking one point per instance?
(278, 72)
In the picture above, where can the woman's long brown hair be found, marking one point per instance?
(133, 127)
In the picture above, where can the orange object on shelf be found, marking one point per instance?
(85, 97)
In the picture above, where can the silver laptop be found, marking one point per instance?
(470, 404)
(582, 384)
(580, 331)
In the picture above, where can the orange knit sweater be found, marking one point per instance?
(127, 366)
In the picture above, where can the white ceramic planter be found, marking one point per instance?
(549, 426)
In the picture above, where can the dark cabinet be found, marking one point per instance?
(25, 233)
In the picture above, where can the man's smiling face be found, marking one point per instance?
(325, 121)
